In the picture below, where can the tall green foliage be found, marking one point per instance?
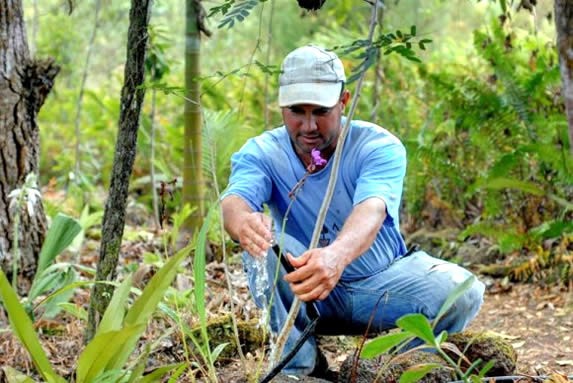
(492, 149)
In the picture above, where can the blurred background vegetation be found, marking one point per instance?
(481, 114)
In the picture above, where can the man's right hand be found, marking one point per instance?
(255, 235)
(251, 229)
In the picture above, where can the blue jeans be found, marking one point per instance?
(418, 283)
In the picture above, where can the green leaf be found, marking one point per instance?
(552, 229)
(453, 297)
(62, 232)
(142, 309)
(418, 325)
(102, 350)
(417, 372)
(157, 374)
(511, 183)
(74, 310)
(14, 376)
(175, 377)
(25, 331)
(503, 4)
(413, 30)
(113, 317)
(383, 343)
(199, 265)
(218, 350)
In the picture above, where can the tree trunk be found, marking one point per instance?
(193, 180)
(24, 85)
(564, 26)
(125, 148)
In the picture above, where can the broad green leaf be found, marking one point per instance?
(14, 376)
(383, 343)
(453, 297)
(417, 372)
(418, 325)
(62, 232)
(25, 331)
(103, 349)
(74, 310)
(113, 317)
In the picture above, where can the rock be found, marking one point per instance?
(486, 346)
(387, 368)
(220, 330)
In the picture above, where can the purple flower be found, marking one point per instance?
(316, 159)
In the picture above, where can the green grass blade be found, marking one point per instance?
(199, 265)
(62, 232)
(103, 349)
(24, 330)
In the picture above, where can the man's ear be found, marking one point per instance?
(345, 98)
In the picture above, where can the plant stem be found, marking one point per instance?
(295, 308)
(266, 111)
(16, 247)
(82, 88)
(156, 217)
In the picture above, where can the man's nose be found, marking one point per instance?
(309, 123)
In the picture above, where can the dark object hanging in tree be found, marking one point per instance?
(311, 4)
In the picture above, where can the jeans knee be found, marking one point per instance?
(469, 303)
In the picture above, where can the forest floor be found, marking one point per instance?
(537, 321)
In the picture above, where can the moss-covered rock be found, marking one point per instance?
(220, 330)
(389, 368)
(486, 346)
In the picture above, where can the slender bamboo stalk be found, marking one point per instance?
(295, 308)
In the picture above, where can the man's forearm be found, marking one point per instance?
(360, 229)
(235, 211)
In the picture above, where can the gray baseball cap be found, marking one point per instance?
(311, 75)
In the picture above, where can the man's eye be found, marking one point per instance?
(295, 110)
(321, 111)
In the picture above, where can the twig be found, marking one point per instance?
(91, 43)
(295, 308)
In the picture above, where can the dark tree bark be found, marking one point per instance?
(132, 95)
(24, 85)
(564, 26)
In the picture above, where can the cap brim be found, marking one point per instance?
(324, 94)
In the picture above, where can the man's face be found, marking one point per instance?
(313, 126)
